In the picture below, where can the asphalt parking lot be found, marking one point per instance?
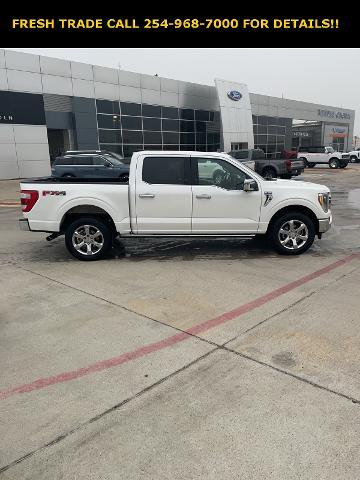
(182, 360)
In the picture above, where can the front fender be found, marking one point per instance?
(268, 212)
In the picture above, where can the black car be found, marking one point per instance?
(90, 165)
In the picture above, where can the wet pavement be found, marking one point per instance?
(182, 359)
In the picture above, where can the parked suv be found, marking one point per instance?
(312, 156)
(90, 165)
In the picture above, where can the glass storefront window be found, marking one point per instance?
(202, 115)
(170, 125)
(187, 126)
(151, 110)
(106, 106)
(169, 112)
(152, 138)
(186, 113)
(131, 123)
(108, 121)
(171, 137)
(132, 137)
(133, 109)
(110, 136)
(187, 138)
(152, 124)
(140, 126)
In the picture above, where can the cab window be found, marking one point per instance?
(217, 172)
(165, 170)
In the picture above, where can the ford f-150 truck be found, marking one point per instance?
(169, 194)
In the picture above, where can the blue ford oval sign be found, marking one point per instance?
(234, 95)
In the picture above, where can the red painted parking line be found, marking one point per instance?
(174, 339)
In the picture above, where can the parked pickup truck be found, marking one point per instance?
(354, 156)
(312, 156)
(269, 167)
(168, 195)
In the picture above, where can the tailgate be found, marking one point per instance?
(297, 164)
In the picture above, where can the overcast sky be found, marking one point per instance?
(327, 76)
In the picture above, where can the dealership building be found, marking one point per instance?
(48, 106)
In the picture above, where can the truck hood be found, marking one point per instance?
(294, 184)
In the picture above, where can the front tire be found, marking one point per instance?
(292, 234)
(88, 238)
(334, 163)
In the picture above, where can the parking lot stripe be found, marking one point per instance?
(174, 339)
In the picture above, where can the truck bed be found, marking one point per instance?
(67, 180)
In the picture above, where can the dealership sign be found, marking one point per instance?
(333, 114)
(234, 95)
(301, 134)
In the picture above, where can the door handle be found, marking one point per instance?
(204, 195)
(146, 195)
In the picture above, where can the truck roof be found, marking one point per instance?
(166, 153)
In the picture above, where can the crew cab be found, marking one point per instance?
(312, 156)
(269, 167)
(169, 195)
(354, 156)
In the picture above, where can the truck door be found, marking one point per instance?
(220, 205)
(163, 199)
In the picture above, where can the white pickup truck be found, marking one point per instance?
(170, 194)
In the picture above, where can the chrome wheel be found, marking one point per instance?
(87, 240)
(293, 234)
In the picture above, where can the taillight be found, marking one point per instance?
(28, 199)
(288, 165)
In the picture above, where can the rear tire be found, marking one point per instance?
(292, 234)
(353, 159)
(88, 238)
(334, 163)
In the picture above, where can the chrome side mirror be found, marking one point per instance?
(250, 185)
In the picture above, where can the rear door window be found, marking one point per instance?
(83, 160)
(166, 170)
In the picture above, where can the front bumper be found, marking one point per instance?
(24, 224)
(325, 224)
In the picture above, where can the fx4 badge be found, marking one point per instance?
(268, 198)
(53, 192)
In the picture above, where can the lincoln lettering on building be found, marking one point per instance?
(6, 118)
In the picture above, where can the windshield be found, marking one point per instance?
(330, 149)
(112, 159)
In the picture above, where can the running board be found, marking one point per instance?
(175, 236)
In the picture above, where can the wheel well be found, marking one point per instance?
(295, 208)
(86, 210)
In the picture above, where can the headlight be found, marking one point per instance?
(324, 200)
